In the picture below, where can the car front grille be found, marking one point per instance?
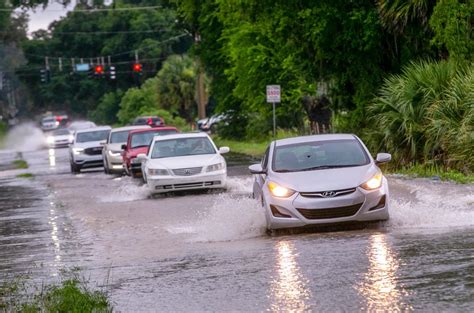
(343, 211)
(189, 185)
(187, 171)
(93, 151)
(328, 194)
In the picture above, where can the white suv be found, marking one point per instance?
(86, 150)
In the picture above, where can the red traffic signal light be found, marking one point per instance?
(99, 70)
(137, 68)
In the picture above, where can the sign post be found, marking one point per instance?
(274, 96)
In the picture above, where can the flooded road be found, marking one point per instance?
(209, 251)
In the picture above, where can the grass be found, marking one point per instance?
(71, 295)
(420, 170)
(25, 175)
(20, 164)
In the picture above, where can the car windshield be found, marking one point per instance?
(182, 147)
(145, 138)
(60, 132)
(119, 137)
(97, 135)
(319, 155)
(49, 120)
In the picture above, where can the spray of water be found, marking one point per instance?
(25, 137)
(443, 206)
(233, 215)
(128, 190)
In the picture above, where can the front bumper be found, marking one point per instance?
(88, 161)
(114, 163)
(160, 184)
(298, 211)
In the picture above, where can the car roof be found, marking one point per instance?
(91, 129)
(150, 129)
(182, 135)
(310, 138)
(133, 127)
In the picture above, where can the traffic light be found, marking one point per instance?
(137, 68)
(99, 71)
(112, 73)
(45, 75)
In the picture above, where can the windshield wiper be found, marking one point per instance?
(284, 170)
(324, 167)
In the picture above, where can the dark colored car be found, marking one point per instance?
(138, 142)
(153, 121)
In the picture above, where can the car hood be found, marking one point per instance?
(136, 151)
(114, 146)
(61, 137)
(325, 179)
(185, 161)
(85, 145)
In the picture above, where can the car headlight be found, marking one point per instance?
(215, 167)
(135, 160)
(158, 171)
(280, 191)
(77, 150)
(71, 138)
(114, 153)
(373, 183)
(50, 140)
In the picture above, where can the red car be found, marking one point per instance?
(138, 142)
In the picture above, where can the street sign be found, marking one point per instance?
(273, 94)
(82, 67)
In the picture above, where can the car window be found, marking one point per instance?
(319, 154)
(119, 137)
(182, 147)
(145, 138)
(97, 135)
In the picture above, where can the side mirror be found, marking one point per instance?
(257, 169)
(124, 147)
(223, 150)
(141, 156)
(383, 158)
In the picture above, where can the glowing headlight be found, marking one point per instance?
(50, 140)
(114, 153)
(373, 183)
(158, 171)
(280, 191)
(77, 150)
(215, 167)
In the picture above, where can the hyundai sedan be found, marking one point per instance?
(320, 179)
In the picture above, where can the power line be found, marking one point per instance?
(97, 32)
(97, 10)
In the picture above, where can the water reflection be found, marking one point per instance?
(380, 288)
(52, 157)
(289, 289)
(53, 217)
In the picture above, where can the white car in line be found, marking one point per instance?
(184, 162)
(59, 138)
(86, 150)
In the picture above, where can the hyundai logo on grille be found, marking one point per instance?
(328, 194)
(187, 171)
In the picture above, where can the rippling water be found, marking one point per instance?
(209, 251)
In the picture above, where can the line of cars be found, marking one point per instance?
(166, 159)
(301, 181)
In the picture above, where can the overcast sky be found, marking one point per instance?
(40, 19)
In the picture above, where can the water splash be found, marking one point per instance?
(127, 191)
(25, 137)
(434, 206)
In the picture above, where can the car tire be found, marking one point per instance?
(75, 169)
(106, 168)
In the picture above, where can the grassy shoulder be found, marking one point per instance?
(20, 164)
(257, 149)
(71, 295)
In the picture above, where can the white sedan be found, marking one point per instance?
(184, 162)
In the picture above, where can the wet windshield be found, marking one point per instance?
(92, 136)
(145, 138)
(319, 155)
(182, 147)
(119, 137)
(60, 132)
